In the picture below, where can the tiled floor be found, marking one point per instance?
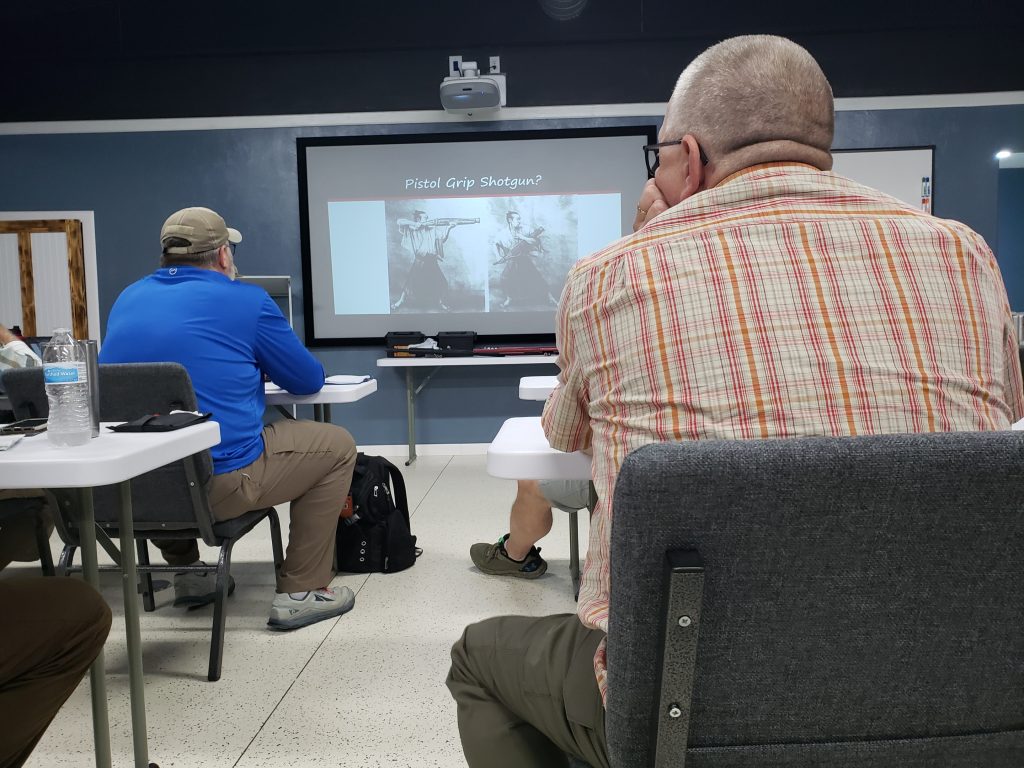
(364, 690)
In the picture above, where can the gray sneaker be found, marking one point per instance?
(493, 560)
(195, 589)
(321, 604)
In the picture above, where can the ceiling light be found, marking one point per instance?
(1002, 154)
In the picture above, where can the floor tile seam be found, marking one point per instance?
(430, 487)
(291, 685)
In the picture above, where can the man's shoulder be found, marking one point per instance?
(611, 254)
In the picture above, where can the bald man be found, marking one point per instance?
(761, 296)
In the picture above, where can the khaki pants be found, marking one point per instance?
(307, 463)
(526, 692)
(56, 628)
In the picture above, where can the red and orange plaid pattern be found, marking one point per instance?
(784, 302)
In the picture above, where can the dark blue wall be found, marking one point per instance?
(1010, 242)
(133, 180)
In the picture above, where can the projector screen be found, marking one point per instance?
(457, 232)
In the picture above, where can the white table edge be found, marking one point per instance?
(46, 466)
(330, 394)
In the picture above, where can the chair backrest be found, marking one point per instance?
(166, 499)
(24, 387)
(862, 603)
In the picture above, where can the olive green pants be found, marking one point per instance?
(55, 628)
(526, 692)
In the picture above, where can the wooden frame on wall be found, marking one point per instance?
(72, 230)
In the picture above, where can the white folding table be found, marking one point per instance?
(520, 451)
(109, 459)
(322, 400)
(434, 363)
(537, 387)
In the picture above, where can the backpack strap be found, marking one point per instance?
(397, 487)
(399, 497)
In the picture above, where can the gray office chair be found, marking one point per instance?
(168, 503)
(858, 603)
(24, 387)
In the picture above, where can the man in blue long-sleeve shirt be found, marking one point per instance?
(227, 335)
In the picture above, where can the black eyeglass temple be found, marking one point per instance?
(652, 167)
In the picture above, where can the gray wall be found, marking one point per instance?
(133, 180)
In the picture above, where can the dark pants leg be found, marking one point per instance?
(58, 627)
(178, 551)
(18, 517)
(526, 692)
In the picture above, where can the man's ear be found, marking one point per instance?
(224, 257)
(694, 167)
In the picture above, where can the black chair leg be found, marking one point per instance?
(220, 610)
(275, 540)
(43, 544)
(66, 560)
(145, 577)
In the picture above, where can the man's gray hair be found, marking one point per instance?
(761, 96)
(204, 259)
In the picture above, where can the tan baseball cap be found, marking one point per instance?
(204, 229)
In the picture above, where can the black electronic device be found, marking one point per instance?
(455, 343)
(398, 342)
(24, 427)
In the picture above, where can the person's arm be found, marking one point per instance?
(566, 417)
(447, 233)
(281, 355)
(15, 353)
(1014, 388)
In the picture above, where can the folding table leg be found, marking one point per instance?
(410, 412)
(97, 672)
(574, 553)
(129, 582)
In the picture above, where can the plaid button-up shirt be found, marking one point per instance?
(785, 301)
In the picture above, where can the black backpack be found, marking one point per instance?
(376, 538)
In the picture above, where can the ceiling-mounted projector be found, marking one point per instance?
(467, 91)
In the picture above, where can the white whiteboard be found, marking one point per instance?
(897, 172)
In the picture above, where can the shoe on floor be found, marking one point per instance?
(196, 589)
(288, 613)
(493, 560)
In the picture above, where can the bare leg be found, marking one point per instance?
(530, 520)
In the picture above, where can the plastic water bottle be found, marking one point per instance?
(67, 388)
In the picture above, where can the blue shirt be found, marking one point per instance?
(226, 334)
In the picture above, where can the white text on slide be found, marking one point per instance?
(506, 182)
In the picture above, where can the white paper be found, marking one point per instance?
(9, 441)
(1018, 425)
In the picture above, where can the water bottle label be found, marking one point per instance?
(63, 373)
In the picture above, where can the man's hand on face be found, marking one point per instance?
(6, 337)
(651, 203)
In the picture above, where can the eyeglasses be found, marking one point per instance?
(231, 245)
(652, 155)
